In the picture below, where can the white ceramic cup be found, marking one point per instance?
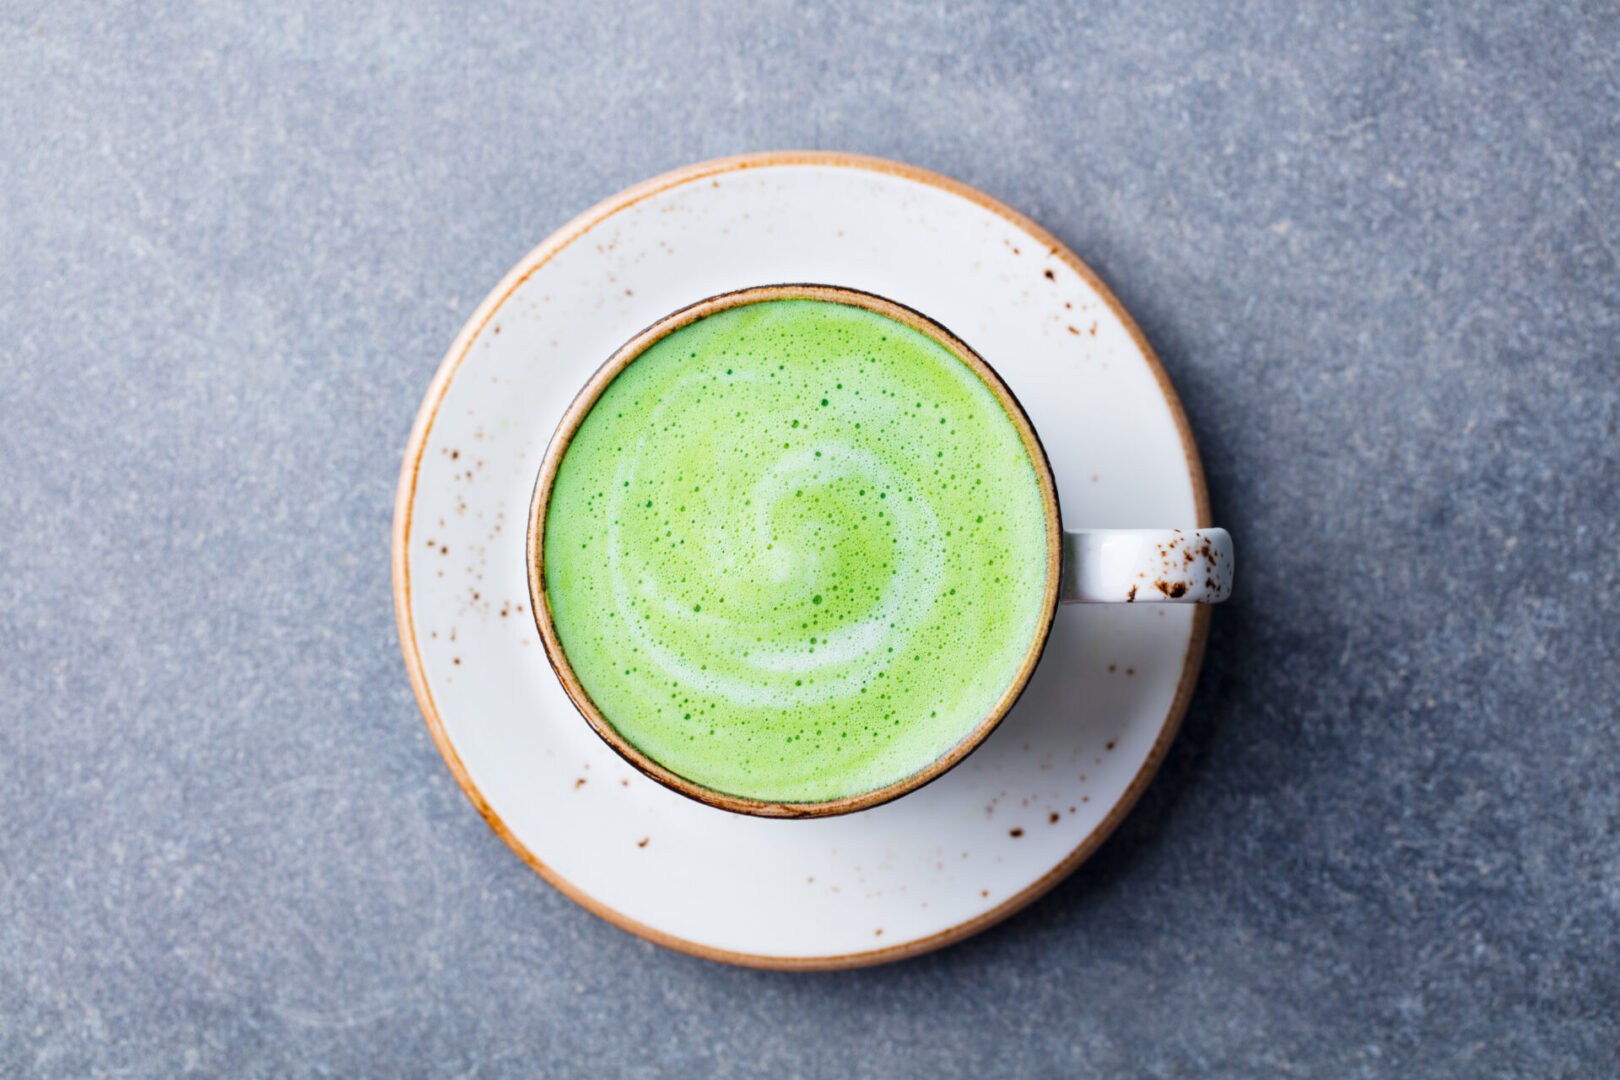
(1098, 566)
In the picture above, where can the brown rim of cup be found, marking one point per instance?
(581, 406)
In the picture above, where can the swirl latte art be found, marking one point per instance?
(796, 550)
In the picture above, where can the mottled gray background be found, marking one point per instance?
(1376, 246)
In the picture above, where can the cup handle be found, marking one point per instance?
(1124, 566)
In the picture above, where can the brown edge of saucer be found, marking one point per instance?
(406, 493)
(623, 357)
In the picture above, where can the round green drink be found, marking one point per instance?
(796, 551)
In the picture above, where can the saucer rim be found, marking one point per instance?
(406, 493)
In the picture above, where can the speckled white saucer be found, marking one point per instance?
(933, 866)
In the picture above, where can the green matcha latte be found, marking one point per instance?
(796, 551)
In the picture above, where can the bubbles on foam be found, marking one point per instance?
(858, 651)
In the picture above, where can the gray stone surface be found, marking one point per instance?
(1376, 245)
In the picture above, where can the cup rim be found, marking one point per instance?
(586, 399)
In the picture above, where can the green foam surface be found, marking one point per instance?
(796, 551)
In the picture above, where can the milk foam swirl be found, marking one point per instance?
(779, 547)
